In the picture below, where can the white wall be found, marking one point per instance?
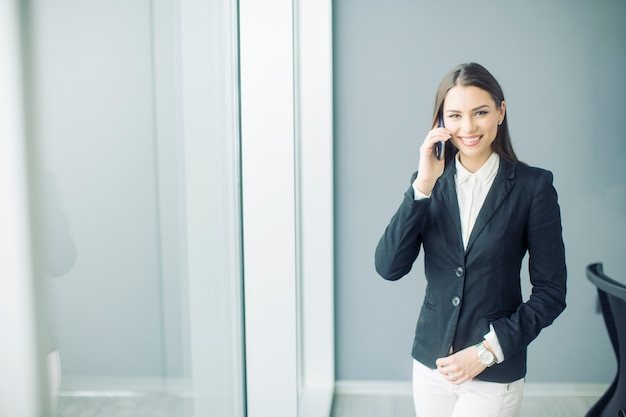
(561, 65)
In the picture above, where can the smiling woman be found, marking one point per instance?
(474, 329)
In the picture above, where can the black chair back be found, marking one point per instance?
(612, 296)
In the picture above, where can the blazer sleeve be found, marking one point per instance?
(400, 244)
(547, 270)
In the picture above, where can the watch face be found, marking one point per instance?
(486, 357)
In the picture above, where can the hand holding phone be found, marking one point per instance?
(440, 146)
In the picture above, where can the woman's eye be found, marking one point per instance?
(481, 113)
(454, 116)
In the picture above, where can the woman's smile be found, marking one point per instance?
(470, 140)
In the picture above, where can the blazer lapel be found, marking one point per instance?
(448, 191)
(502, 184)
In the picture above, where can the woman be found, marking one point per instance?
(476, 212)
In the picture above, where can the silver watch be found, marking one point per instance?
(485, 356)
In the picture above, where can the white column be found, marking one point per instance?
(286, 128)
(269, 223)
(315, 188)
(20, 389)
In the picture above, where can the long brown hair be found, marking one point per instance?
(475, 75)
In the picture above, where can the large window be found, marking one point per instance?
(176, 157)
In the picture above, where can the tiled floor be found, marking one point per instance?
(402, 406)
(344, 406)
(131, 406)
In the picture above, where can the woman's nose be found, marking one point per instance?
(467, 125)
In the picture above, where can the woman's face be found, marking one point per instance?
(472, 117)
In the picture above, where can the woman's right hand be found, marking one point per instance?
(431, 168)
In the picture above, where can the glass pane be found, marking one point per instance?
(142, 322)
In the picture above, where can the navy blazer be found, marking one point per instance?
(469, 289)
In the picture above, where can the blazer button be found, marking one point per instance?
(459, 271)
(456, 301)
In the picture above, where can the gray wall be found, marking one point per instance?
(562, 66)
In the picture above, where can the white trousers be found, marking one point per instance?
(434, 396)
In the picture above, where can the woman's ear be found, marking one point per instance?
(502, 111)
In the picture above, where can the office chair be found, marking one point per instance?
(613, 302)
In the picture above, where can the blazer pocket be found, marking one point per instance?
(499, 314)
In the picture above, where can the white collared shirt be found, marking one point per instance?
(471, 191)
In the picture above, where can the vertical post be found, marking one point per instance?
(269, 222)
(314, 98)
(20, 386)
(287, 178)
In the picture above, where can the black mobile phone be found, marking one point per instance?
(440, 146)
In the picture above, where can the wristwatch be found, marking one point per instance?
(485, 356)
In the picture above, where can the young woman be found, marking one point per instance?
(476, 212)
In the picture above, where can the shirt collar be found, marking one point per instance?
(484, 174)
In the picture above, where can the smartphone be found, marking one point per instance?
(440, 146)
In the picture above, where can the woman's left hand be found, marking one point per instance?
(461, 366)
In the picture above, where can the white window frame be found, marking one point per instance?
(287, 197)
